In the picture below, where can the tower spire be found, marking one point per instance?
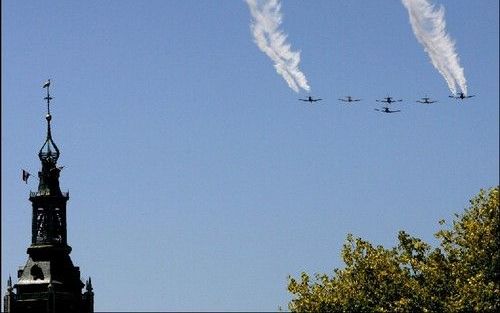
(48, 155)
(48, 282)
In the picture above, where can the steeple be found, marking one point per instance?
(49, 203)
(48, 155)
(49, 282)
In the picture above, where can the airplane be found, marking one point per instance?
(387, 110)
(426, 100)
(461, 96)
(389, 100)
(349, 99)
(310, 99)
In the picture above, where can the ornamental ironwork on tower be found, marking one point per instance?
(49, 282)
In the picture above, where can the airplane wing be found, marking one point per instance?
(316, 100)
(356, 100)
(343, 100)
(394, 111)
(304, 100)
(471, 96)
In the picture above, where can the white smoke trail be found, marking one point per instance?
(266, 21)
(429, 26)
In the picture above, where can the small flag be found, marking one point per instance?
(26, 175)
(47, 84)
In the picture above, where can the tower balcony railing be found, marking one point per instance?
(46, 193)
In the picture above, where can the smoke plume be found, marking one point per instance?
(429, 25)
(272, 41)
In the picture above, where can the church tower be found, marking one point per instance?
(49, 282)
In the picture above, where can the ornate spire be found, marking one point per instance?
(49, 153)
(49, 281)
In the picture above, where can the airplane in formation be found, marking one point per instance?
(389, 100)
(461, 96)
(310, 99)
(387, 110)
(426, 100)
(349, 99)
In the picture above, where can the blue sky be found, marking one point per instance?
(198, 181)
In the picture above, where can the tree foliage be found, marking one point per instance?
(461, 275)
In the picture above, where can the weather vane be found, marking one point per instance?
(48, 98)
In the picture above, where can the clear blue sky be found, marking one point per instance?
(198, 181)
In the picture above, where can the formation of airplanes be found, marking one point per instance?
(388, 100)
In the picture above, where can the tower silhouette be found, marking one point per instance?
(49, 282)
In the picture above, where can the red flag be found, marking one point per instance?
(26, 175)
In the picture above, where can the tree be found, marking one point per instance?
(461, 275)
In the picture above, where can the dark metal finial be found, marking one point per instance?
(89, 284)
